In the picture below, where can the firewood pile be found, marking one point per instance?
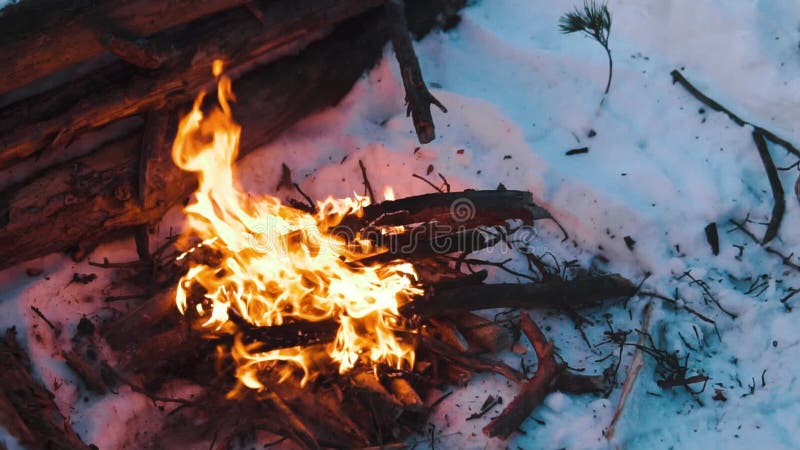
(368, 406)
(88, 115)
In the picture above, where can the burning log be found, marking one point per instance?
(159, 349)
(27, 409)
(54, 118)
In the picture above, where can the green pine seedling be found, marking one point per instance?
(595, 21)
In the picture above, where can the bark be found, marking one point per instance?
(41, 37)
(35, 420)
(52, 119)
(93, 197)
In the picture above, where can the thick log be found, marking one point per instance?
(35, 419)
(53, 118)
(573, 293)
(41, 37)
(92, 197)
(95, 194)
(551, 294)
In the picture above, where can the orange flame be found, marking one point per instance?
(280, 264)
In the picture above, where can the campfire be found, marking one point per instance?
(330, 316)
(278, 265)
(269, 316)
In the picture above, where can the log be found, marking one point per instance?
(580, 292)
(54, 117)
(35, 420)
(91, 198)
(459, 211)
(454, 300)
(41, 37)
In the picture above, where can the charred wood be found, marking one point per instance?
(580, 292)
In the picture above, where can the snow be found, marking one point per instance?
(658, 170)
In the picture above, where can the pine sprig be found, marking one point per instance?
(593, 19)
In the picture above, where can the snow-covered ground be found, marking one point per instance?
(660, 167)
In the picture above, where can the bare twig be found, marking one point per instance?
(312, 208)
(785, 259)
(39, 313)
(367, 186)
(775, 185)
(677, 77)
(437, 188)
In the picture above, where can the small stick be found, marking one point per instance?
(677, 77)
(444, 180)
(39, 313)
(712, 236)
(469, 361)
(311, 205)
(255, 11)
(437, 188)
(775, 185)
(418, 98)
(786, 260)
(367, 186)
(633, 372)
